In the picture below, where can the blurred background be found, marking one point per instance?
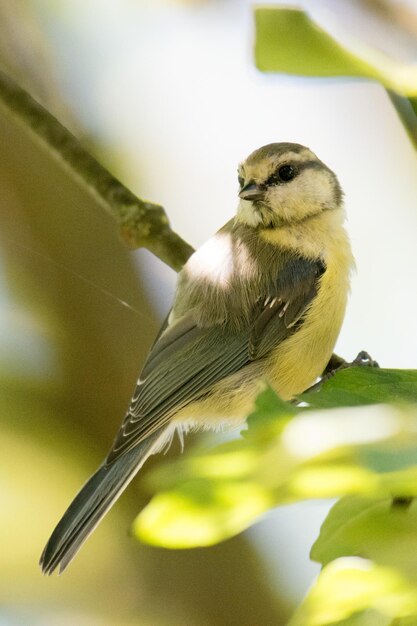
(167, 96)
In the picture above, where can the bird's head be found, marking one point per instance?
(285, 183)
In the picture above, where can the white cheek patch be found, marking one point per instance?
(319, 186)
(248, 214)
(213, 261)
(309, 193)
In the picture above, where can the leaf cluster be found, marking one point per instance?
(355, 439)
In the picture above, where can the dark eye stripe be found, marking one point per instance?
(275, 178)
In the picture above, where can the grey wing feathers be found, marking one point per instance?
(280, 313)
(181, 374)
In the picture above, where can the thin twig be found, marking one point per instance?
(142, 224)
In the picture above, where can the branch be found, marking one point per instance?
(142, 224)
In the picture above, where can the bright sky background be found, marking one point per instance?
(172, 90)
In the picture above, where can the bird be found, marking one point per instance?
(261, 302)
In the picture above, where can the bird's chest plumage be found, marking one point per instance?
(297, 362)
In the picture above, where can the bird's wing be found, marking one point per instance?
(285, 305)
(187, 360)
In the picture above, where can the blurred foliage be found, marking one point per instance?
(64, 378)
(289, 41)
(25, 56)
(291, 453)
(373, 529)
(356, 592)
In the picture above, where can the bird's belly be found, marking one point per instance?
(227, 403)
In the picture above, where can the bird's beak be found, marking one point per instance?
(252, 191)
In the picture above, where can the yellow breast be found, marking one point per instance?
(296, 363)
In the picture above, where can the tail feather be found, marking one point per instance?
(92, 503)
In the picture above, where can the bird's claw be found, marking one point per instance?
(363, 359)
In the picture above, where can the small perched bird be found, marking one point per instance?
(261, 301)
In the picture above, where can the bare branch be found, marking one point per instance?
(141, 223)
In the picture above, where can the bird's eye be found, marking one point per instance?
(282, 175)
(241, 181)
(286, 173)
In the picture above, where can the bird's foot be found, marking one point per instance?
(363, 359)
(336, 364)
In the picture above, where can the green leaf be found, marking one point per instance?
(210, 496)
(201, 513)
(269, 414)
(372, 528)
(357, 386)
(291, 453)
(356, 592)
(288, 41)
(413, 104)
